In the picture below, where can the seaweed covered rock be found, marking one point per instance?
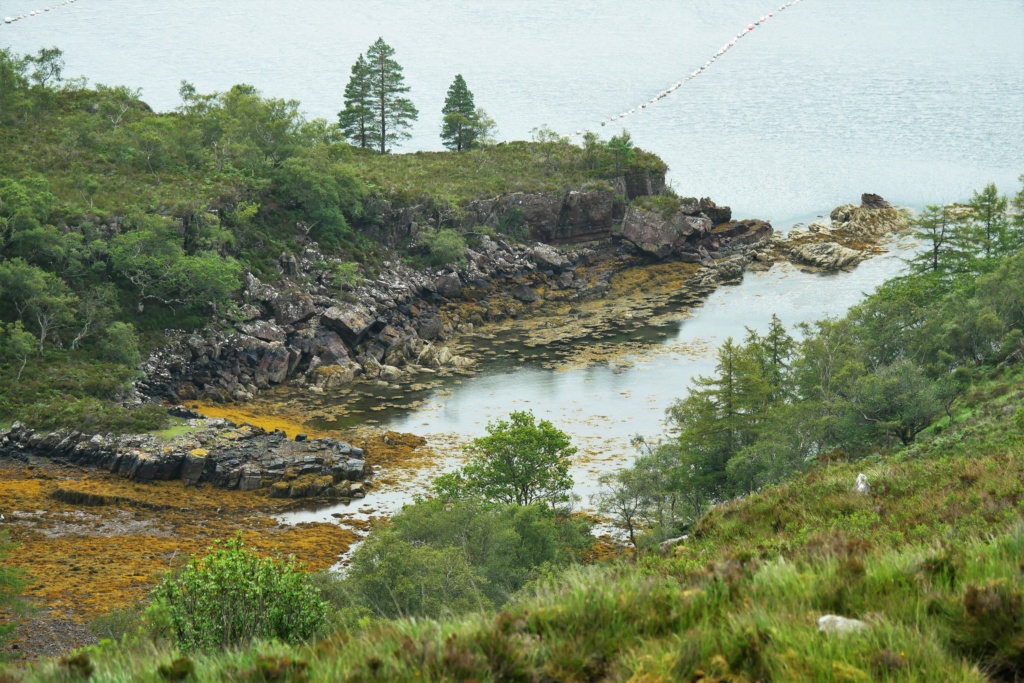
(217, 453)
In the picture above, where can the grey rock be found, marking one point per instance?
(448, 285)
(292, 307)
(831, 623)
(350, 321)
(548, 257)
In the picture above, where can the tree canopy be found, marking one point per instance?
(520, 461)
(377, 114)
(465, 126)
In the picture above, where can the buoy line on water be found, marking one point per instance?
(696, 72)
(34, 13)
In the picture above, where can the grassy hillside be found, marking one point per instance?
(931, 561)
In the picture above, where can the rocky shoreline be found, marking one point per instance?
(216, 453)
(308, 331)
(403, 324)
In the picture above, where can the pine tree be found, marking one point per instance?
(988, 211)
(460, 130)
(392, 113)
(935, 228)
(356, 119)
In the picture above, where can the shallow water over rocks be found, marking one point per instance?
(601, 405)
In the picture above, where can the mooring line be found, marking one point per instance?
(7, 21)
(696, 72)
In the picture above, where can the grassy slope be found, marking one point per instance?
(932, 560)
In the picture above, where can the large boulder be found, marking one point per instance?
(717, 214)
(873, 218)
(827, 256)
(651, 232)
(351, 321)
(264, 330)
(448, 285)
(548, 258)
(292, 307)
(330, 348)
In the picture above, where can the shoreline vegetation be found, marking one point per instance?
(846, 506)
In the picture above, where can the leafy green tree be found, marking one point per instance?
(324, 192)
(49, 67)
(461, 128)
(14, 86)
(119, 344)
(439, 557)
(899, 400)
(395, 578)
(231, 597)
(357, 118)
(520, 461)
(393, 113)
(16, 346)
(37, 298)
(622, 151)
(152, 260)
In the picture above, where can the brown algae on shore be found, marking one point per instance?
(84, 560)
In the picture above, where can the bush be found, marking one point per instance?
(520, 461)
(444, 248)
(231, 597)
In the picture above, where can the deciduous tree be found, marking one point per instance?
(520, 461)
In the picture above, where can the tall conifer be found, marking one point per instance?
(460, 129)
(356, 119)
(392, 112)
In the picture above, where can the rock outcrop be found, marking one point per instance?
(827, 256)
(697, 233)
(217, 454)
(314, 331)
(853, 234)
(874, 217)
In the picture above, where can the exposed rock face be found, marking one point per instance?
(827, 256)
(661, 237)
(323, 335)
(351, 322)
(717, 214)
(217, 454)
(874, 217)
(293, 307)
(690, 235)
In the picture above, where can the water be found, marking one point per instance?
(603, 406)
(915, 100)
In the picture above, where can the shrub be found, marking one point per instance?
(444, 248)
(231, 597)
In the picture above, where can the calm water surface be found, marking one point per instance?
(917, 100)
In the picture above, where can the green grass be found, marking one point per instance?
(932, 561)
(455, 178)
(176, 427)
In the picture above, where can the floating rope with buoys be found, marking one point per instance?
(33, 14)
(698, 71)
